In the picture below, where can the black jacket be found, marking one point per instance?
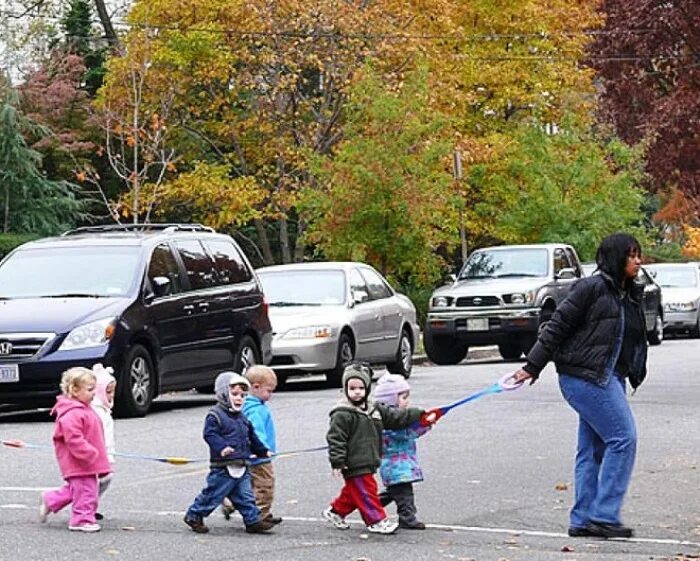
(583, 336)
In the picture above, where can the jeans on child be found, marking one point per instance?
(607, 445)
(220, 484)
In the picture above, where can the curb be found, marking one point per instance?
(474, 354)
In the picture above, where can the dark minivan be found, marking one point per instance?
(168, 306)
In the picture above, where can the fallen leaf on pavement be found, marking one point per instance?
(561, 487)
(128, 528)
(568, 548)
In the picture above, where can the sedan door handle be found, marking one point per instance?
(189, 308)
(204, 306)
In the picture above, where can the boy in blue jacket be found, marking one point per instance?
(232, 440)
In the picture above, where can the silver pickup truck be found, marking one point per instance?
(501, 296)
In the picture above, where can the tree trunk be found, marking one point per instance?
(110, 34)
(284, 241)
(6, 218)
(264, 242)
(299, 244)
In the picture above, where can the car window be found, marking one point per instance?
(573, 262)
(199, 267)
(230, 266)
(300, 287)
(511, 262)
(676, 276)
(377, 287)
(560, 260)
(163, 264)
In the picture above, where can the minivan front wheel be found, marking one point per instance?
(248, 355)
(136, 385)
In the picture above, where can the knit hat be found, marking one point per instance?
(360, 371)
(222, 384)
(103, 378)
(389, 387)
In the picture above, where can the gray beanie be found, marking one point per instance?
(389, 387)
(222, 384)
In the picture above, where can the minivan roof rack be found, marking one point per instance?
(144, 228)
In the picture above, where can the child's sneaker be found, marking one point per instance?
(334, 518)
(196, 525)
(43, 511)
(385, 526)
(85, 528)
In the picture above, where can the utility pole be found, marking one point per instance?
(457, 174)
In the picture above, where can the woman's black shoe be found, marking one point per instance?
(577, 532)
(602, 530)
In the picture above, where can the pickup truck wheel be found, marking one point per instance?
(444, 351)
(510, 351)
(656, 335)
(136, 385)
(403, 363)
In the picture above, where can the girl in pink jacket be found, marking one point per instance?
(80, 449)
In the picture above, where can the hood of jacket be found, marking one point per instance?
(65, 404)
(222, 384)
(104, 378)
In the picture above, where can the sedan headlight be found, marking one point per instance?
(91, 334)
(311, 332)
(680, 307)
(442, 302)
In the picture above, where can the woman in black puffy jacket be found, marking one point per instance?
(597, 339)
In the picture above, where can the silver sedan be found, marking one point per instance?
(325, 315)
(680, 288)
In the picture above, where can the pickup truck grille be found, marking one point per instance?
(19, 346)
(477, 301)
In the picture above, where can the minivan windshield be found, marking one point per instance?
(69, 272)
(499, 263)
(303, 288)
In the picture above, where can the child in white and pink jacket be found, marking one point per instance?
(80, 450)
(102, 403)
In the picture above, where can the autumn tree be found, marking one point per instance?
(386, 197)
(647, 59)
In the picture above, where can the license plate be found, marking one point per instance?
(9, 373)
(478, 324)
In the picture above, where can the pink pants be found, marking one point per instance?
(82, 492)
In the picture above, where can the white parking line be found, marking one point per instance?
(447, 527)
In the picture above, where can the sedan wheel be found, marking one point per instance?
(404, 357)
(346, 354)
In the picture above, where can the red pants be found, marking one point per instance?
(360, 492)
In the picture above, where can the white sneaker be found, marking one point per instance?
(85, 528)
(335, 519)
(43, 512)
(385, 526)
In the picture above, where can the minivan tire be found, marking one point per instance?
(137, 383)
(403, 362)
(248, 355)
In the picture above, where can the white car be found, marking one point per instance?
(680, 287)
(325, 315)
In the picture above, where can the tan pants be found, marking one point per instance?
(263, 476)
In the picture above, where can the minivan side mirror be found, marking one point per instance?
(567, 273)
(161, 286)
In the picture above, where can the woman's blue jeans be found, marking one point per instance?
(607, 445)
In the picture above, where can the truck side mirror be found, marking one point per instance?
(567, 273)
(451, 278)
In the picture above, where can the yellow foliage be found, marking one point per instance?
(691, 248)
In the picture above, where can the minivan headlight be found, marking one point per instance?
(91, 334)
(311, 332)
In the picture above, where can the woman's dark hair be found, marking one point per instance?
(612, 254)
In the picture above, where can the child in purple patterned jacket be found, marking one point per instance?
(400, 467)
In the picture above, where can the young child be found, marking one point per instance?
(400, 468)
(354, 449)
(263, 382)
(102, 403)
(231, 441)
(80, 450)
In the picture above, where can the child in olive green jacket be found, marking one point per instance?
(355, 448)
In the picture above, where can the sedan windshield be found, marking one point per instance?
(675, 276)
(303, 288)
(499, 263)
(75, 272)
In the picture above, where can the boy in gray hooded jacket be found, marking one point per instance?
(231, 441)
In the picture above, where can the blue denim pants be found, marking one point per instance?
(607, 445)
(219, 485)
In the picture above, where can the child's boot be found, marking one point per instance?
(415, 525)
(385, 526)
(259, 527)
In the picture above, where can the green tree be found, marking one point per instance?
(386, 197)
(30, 202)
(81, 39)
(568, 184)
